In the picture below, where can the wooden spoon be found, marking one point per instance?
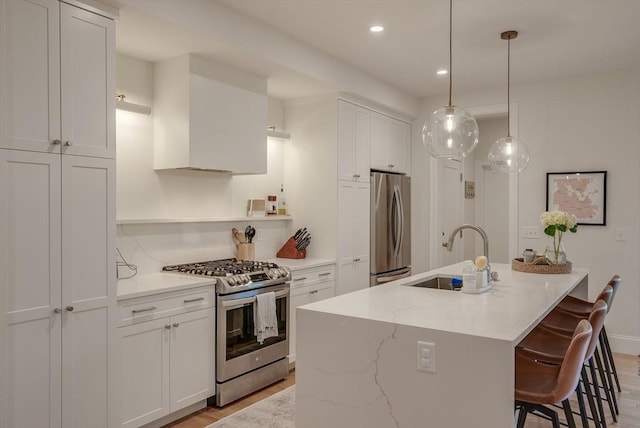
(238, 235)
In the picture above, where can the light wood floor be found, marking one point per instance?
(209, 415)
(628, 401)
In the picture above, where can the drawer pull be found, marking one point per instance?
(313, 291)
(167, 326)
(300, 279)
(176, 325)
(137, 311)
(197, 299)
(325, 274)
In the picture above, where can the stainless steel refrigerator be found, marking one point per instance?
(390, 227)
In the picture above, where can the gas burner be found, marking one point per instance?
(235, 275)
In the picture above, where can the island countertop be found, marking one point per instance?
(508, 311)
(401, 356)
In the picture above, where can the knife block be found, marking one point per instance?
(245, 251)
(289, 250)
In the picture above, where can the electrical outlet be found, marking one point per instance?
(621, 235)
(530, 232)
(426, 356)
(258, 234)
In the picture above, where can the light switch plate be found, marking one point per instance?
(530, 232)
(426, 356)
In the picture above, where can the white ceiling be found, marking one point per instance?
(558, 38)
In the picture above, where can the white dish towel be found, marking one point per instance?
(265, 320)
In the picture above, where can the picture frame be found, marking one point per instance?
(583, 194)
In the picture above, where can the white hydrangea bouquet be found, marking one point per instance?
(556, 223)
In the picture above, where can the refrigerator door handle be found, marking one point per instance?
(397, 226)
(385, 279)
(401, 205)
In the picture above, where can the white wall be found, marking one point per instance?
(580, 124)
(143, 193)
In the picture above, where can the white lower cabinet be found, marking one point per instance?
(166, 355)
(307, 286)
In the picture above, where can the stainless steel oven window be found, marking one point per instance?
(240, 337)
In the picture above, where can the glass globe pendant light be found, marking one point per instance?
(508, 154)
(450, 132)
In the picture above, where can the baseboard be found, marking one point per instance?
(176, 415)
(624, 344)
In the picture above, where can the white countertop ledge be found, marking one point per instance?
(508, 311)
(158, 282)
(298, 264)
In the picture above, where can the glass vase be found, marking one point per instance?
(557, 253)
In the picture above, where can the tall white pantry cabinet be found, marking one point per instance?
(57, 215)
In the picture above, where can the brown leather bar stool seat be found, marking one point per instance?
(583, 307)
(539, 384)
(550, 346)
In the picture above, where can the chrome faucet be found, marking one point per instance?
(493, 276)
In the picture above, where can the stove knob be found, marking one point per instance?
(246, 279)
(232, 281)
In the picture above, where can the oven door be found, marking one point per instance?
(238, 350)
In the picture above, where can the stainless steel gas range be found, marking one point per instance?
(243, 364)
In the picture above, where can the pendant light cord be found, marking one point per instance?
(509, 87)
(450, 49)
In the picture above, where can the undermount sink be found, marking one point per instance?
(437, 282)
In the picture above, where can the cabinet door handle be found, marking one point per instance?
(68, 143)
(197, 299)
(56, 142)
(313, 291)
(300, 279)
(69, 308)
(325, 274)
(137, 311)
(391, 165)
(356, 175)
(167, 326)
(176, 325)
(356, 260)
(57, 310)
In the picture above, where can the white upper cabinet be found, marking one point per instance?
(353, 142)
(55, 89)
(390, 144)
(208, 116)
(88, 89)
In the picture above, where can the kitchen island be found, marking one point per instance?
(358, 354)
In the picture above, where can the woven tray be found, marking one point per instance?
(537, 266)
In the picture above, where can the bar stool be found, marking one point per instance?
(564, 322)
(538, 384)
(550, 346)
(582, 307)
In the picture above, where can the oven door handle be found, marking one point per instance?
(248, 300)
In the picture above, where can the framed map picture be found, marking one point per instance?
(583, 194)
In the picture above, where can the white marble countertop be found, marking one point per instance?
(158, 282)
(297, 264)
(508, 311)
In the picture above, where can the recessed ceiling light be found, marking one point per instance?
(376, 28)
(441, 72)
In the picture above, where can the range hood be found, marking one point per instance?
(209, 116)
